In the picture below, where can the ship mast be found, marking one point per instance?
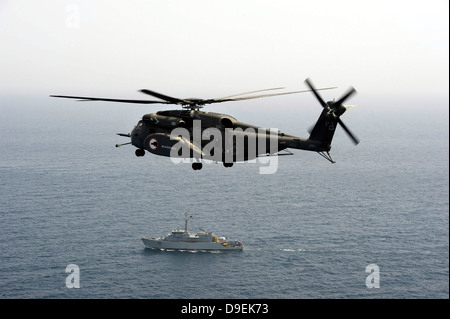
(186, 218)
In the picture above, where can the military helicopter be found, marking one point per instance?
(189, 133)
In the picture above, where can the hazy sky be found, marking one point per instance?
(210, 48)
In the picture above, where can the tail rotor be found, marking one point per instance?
(330, 115)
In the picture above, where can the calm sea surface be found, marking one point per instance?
(68, 196)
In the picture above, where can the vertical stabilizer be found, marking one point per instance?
(323, 130)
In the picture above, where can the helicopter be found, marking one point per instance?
(189, 133)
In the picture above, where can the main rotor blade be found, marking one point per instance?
(84, 98)
(260, 96)
(350, 106)
(163, 97)
(350, 134)
(351, 91)
(230, 96)
(313, 89)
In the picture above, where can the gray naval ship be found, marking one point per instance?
(183, 240)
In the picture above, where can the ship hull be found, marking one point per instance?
(157, 243)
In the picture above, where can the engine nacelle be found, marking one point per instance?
(168, 122)
(227, 122)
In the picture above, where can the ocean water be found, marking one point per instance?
(68, 196)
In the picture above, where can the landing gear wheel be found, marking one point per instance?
(197, 166)
(227, 164)
(139, 152)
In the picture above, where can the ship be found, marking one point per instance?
(182, 239)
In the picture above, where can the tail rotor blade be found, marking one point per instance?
(350, 92)
(350, 134)
(313, 89)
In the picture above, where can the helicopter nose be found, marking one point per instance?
(136, 141)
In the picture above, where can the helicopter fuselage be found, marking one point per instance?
(212, 136)
(192, 134)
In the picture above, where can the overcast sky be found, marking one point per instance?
(210, 48)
